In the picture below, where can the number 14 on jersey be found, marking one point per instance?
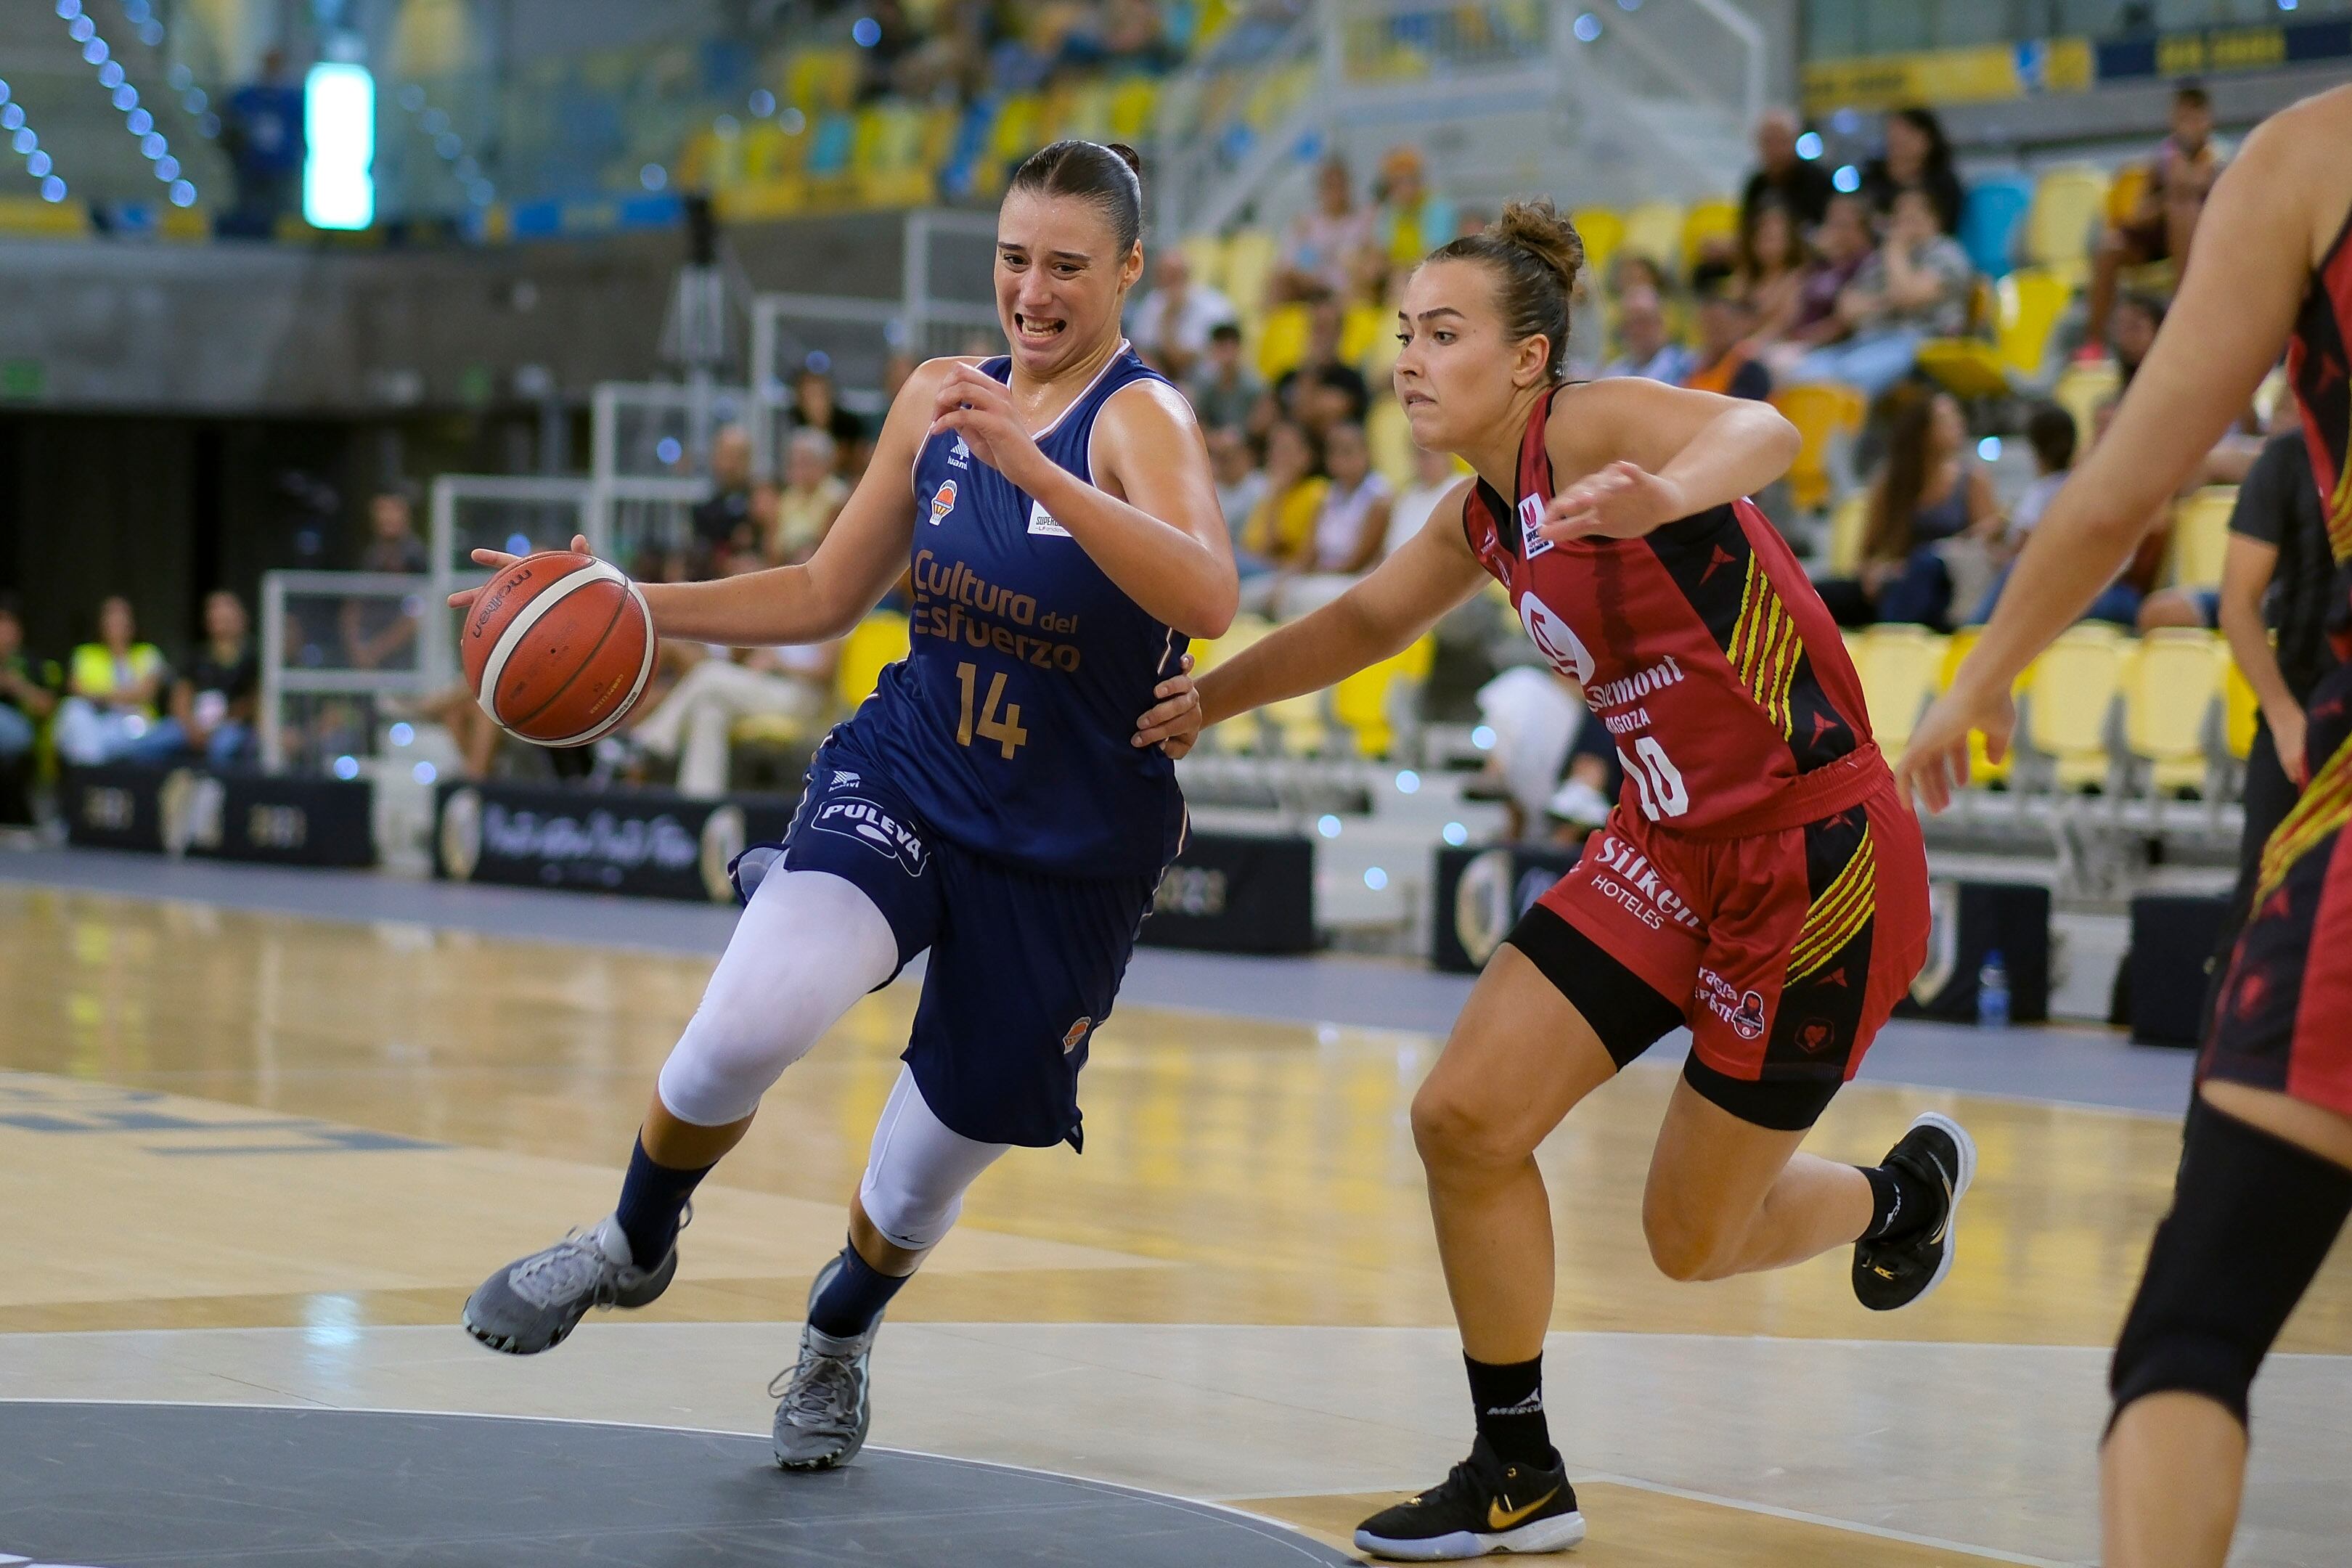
(998, 719)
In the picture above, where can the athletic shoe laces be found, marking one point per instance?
(819, 1393)
(574, 1266)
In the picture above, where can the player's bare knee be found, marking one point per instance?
(1687, 1246)
(1455, 1134)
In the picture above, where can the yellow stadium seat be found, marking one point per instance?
(1362, 329)
(1134, 107)
(1205, 255)
(1849, 521)
(2239, 712)
(1821, 412)
(1249, 262)
(2201, 536)
(1283, 342)
(2068, 202)
(1899, 666)
(2122, 206)
(1983, 769)
(2171, 679)
(1297, 725)
(1206, 655)
(1390, 437)
(1965, 367)
(1717, 219)
(879, 641)
(2081, 390)
(1654, 229)
(1019, 130)
(1602, 230)
(2073, 689)
(2029, 302)
(30, 215)
(1366, 702)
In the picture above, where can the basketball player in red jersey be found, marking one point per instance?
(2265, 1179)
(1760, 880)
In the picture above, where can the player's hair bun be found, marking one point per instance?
(1544, 232)
(1127, 155)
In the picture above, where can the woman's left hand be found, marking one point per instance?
(1623, 500)
(980, 409)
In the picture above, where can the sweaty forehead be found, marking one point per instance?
(1042, 224)
(1456, 285)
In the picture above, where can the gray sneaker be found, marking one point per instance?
(827, 1402)
(531, 1304)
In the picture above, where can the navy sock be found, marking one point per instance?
(653, 1197)
(1508, 1398)
(1900, 1202)
(854, 1297)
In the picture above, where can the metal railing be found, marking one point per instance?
(332, 643)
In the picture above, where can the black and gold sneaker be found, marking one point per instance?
(1901, 1268)
(1485, 1505)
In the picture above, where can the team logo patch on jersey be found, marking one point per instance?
(1815, 1036)
(1531, 543)
(853, 818)
(842, 779)
(1748, 1021)
(1554, 639)
(942, 501)
(1041, 521)
(1076, 1034)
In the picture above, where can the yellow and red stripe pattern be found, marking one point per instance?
(1765, 647)
(2339, 510)
(2324, 807)
(1838, 916)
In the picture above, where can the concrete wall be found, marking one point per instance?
(222, 329)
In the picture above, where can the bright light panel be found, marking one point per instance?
(339, 131)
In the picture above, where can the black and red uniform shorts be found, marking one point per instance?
(1784, 951)
(2286, 1019)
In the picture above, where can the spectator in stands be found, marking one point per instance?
(1919, 157)
(378, 633)
(1630, 270)
(1644, 347)
(1224, 388)
(1313, 260)
(1170, 325)
(1915, 287)
(895, 39)
(261, 131)
(1410, 222)
(692, 723)
(1281, 531)
(1351, 523)
(815, 407)
(2179, 177)
(811, 497)
(217, 699)
(1726, 361)
(1933, 521)
(1433, 474)
(1772, 265)
(722, 524)
(1240, 483)
(1841, 245)
(1322, 386)
(2051, 431)
(114, 685)
(1134, 39)
(28, 695)
(2132, 326)
(1799, 185)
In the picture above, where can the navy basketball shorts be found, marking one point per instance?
(1024, 966)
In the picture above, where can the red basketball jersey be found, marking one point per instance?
(2319, 365)
(1702, 646)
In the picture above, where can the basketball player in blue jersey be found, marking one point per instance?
(985, 805)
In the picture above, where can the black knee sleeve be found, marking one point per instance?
(2253, 1218)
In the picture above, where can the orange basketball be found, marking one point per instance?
(559, 647)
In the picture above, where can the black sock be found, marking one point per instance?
(651, 1198)
(1508, 1401)
(854, 1297)
(1900, 1202)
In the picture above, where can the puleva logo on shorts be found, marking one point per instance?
(942, 501)
(874, 827)
(1555, 639)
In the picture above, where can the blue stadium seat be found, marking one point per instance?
(1988, 223)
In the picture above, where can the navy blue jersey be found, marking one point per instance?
(1008, 728)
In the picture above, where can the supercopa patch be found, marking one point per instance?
(876, 828)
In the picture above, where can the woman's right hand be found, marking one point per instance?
(499, 561)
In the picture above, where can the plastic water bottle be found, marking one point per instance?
(1992, 993)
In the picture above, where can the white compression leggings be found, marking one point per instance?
(808, 946)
